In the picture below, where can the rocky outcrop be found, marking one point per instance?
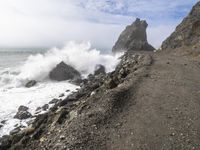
(64, 72)
(99, 69)
(133, 38)
(2, 123)
(23, 113)
(31, 83)
(187, 33)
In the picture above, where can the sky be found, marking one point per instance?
(49, 23)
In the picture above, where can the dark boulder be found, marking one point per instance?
(62, 95)
(40, 119)
(23, 113)
(45, 107)
(38, 110)
(54, 101)
(70, 98)
(3, 121)
(15, 130)
(5, 143)
(31, 83)
(99, 69)
(76, 81)
(64, 72)
(133, 38)
(22, 108)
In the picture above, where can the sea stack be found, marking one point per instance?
(187, 34)
(133, 38)
(64, 72)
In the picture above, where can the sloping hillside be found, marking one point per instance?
(150, 102)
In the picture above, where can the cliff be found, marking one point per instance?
(187, 33)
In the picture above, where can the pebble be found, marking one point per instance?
(62, 137)
(172, 134)
(42, 139)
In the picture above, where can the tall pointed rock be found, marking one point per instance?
(133, 38)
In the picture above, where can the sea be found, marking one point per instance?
(18, 66)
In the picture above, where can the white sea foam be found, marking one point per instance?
(33, 97)
(80, 56)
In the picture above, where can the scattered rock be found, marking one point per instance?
(73, 114)
(5, 143)
(17, 137)
(172, 134)
(22, 108)
(70, 98)
(36, 135)
(18, 146)
(1, 126)
(110, 84)
(62, 137)
(40, 119)
(61, 95)
(133, 38)
(53, 101)
(23, 113)
(14, 131)
(61, 115)
(45, 107)
(31, 83)
(3, 121)
(77, 81)
(64, 72)
(42, 139)
(38, 109)
(99, 69)
(29, 130)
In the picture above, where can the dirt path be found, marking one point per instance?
(164, 114)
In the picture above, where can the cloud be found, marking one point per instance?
(47, 23)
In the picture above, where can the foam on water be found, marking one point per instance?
(34, 97)
(37, 67)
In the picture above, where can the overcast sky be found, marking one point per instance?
(47, 23)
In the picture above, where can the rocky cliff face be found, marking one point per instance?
(187, 33)
(133, 38)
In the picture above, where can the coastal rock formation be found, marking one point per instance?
(23, 113)
(99, 69)
(187, 33)
(133, 38)
(31, 83)
(64, 72)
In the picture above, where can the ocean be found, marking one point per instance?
(17, 67)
